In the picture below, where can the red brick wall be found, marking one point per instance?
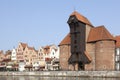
(104, 55)
(64, 56)
(90, 48)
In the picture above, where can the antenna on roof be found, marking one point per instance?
(74, 9)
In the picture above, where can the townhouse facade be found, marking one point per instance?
(48, 55)
(14, 55)
(26, 56)
(30, 55)
(20, 50)
(1, 55)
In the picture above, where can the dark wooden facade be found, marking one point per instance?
(78, 44)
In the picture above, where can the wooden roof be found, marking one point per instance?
(81, 18)
(81, 57)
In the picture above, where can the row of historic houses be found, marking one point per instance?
(26, 58)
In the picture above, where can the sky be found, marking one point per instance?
(44, 22)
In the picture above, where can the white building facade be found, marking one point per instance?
(117, 59)
(14, 55)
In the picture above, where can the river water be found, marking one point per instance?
(52, 78)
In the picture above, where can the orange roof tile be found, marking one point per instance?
(66, 40)
(99, 33)
(117, 38)
(81, 18)
(23, 45)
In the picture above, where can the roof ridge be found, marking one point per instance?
(81, 18)
(23, 44)
(66, 40)
(75, 12)
(108, 33)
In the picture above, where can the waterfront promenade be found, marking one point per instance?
(64, 73)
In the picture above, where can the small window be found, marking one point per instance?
(75, 35)
(75, 48)
(23, 49)
(53, 53)
(117, 58)
(117, 51)
(30, 52)
(75, 41)
(75, 28)
(117, 66)
(25, 55)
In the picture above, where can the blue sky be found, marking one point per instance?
(44, 22)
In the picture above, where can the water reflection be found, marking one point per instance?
(52, 78)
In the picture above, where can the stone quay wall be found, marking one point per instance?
(64, 73)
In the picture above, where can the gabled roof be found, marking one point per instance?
(1, 52)
(81, 18)
(8, 53)
(23, 44)
(117, 38)
(66, 40)
(99, 33)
